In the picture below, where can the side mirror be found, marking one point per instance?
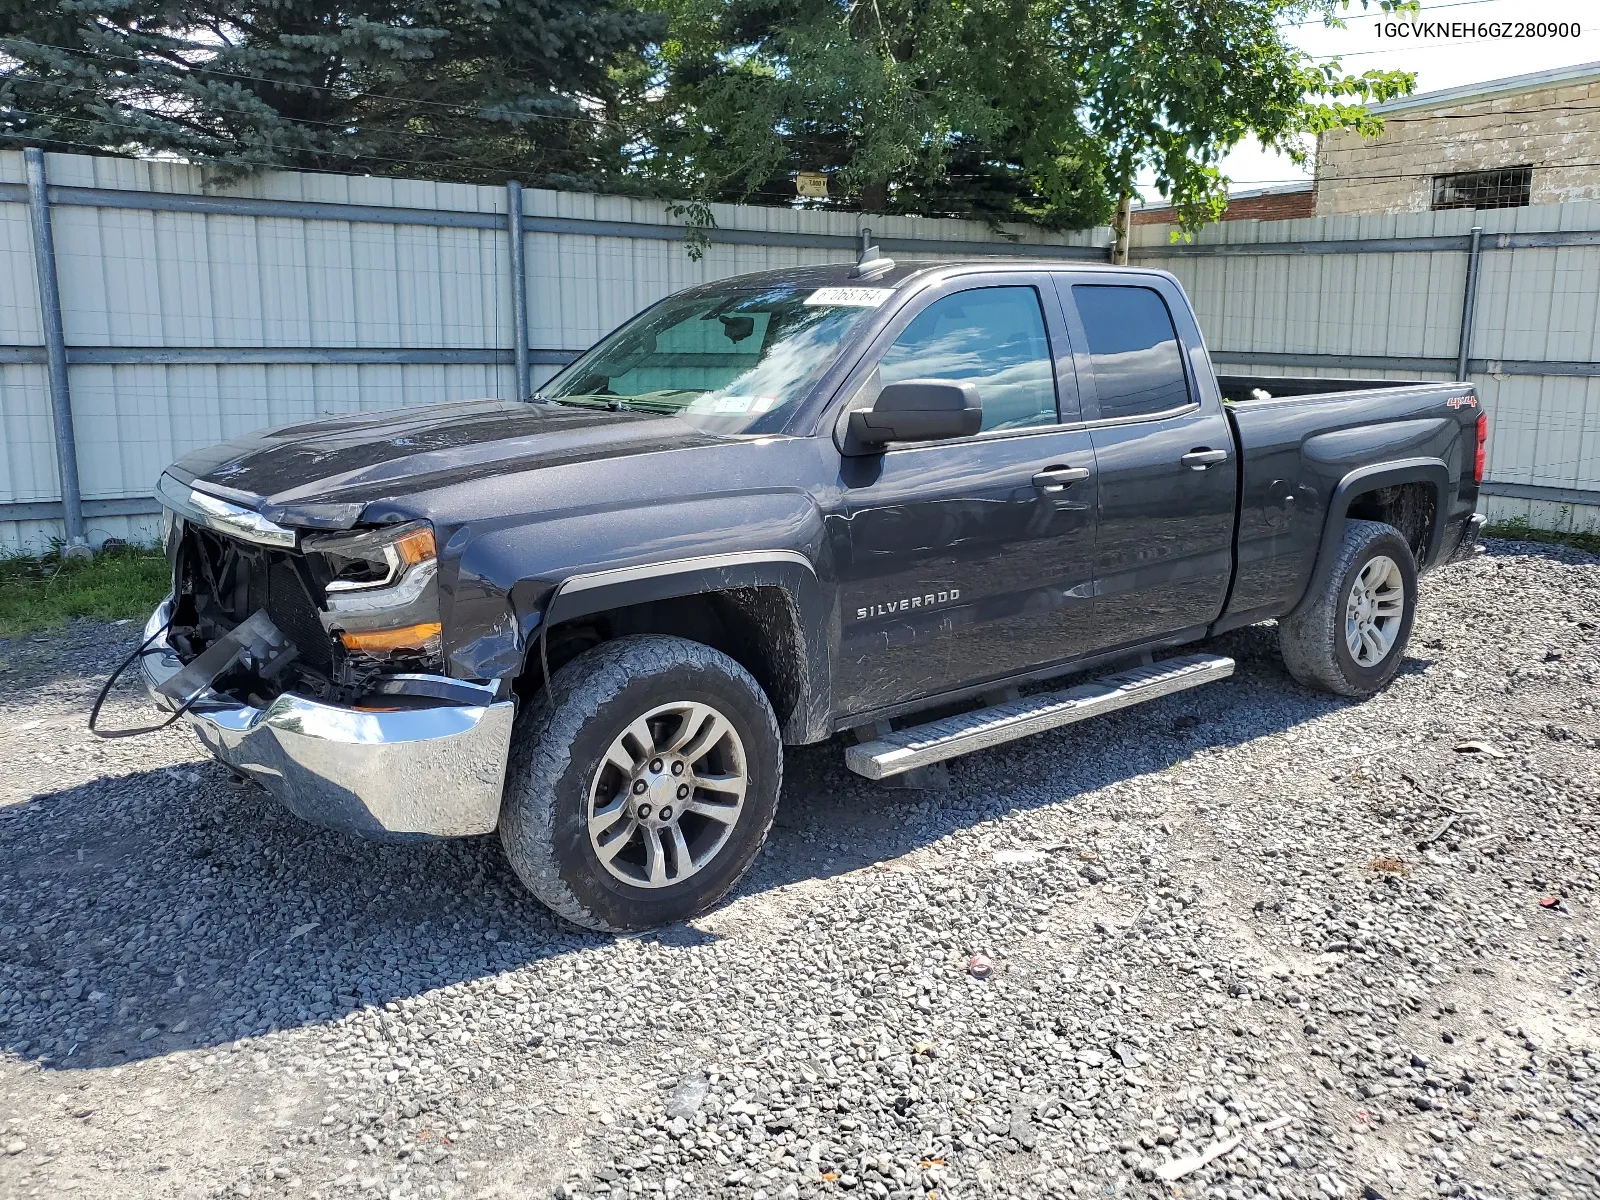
(916, 410)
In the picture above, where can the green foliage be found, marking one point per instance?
(888, 98)
(1039, 110)
(44, 593)
(1176, 84)
(452, 89)
(1034, 110)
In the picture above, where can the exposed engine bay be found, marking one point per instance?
(352, 609)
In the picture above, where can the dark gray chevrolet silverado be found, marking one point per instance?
(881, 499)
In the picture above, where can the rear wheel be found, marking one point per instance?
(1350, 636)
(642, 783)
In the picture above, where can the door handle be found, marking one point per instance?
(1053, 479)
(1199, 460)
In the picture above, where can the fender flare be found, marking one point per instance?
(789, 571)
(1433, 471)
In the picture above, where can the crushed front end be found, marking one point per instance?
(344, 713)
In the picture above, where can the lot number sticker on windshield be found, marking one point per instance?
(852, 297)
(732, 404)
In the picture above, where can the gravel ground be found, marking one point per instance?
(1337, 949)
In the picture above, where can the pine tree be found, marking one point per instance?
(471, 90)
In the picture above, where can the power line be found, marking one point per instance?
(1374, 16)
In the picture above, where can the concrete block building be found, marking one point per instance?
(1505, 143)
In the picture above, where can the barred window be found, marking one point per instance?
(1508, 188)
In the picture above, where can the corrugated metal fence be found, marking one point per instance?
(191, 313)
(1383, 297)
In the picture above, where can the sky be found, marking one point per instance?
(1438, 63)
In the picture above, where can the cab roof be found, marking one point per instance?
(903, 272)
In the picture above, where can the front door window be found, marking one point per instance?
(993, 337)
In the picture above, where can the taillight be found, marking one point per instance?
(1483, 448)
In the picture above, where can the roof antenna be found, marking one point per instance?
(873, 262)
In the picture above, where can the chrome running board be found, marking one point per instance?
(906, 749)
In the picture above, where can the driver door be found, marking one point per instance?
(970, 559)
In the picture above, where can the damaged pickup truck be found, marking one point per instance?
(882, 500)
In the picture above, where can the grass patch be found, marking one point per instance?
(45, 593)
(1518, 529)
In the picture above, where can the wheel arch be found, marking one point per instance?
(764, 608)
(1430, 475)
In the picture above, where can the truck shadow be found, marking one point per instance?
(832, 821)
(168, 910)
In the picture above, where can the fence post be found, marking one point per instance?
(519, 287)
(55, 347)
(1469, 301)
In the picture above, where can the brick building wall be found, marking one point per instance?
(1544, 126)
(1276, 205)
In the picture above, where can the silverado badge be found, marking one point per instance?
(926, 600)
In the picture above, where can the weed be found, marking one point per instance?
(45, 593)
(1518, 529)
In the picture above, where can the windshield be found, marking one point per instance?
(730, 361)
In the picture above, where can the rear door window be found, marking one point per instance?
(1133, 349)
(994, 337)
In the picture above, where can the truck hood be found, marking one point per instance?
(323, 473)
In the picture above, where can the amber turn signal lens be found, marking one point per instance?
(382, 641)
(416, 546)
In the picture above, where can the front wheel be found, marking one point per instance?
(1350, 635)
(642, 783)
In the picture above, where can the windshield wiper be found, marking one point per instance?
(650, 402)
(656, 402)
(582, 401)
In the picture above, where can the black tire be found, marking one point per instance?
(1313, 637)
(557, 750)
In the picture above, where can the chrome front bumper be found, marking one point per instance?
(435, 771)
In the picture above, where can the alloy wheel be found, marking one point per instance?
(667, 794)
(1374, 611)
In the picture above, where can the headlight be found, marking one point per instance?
(368, 561)
(381, 595)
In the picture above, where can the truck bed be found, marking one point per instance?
(1240, 389)
(1310, 437)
